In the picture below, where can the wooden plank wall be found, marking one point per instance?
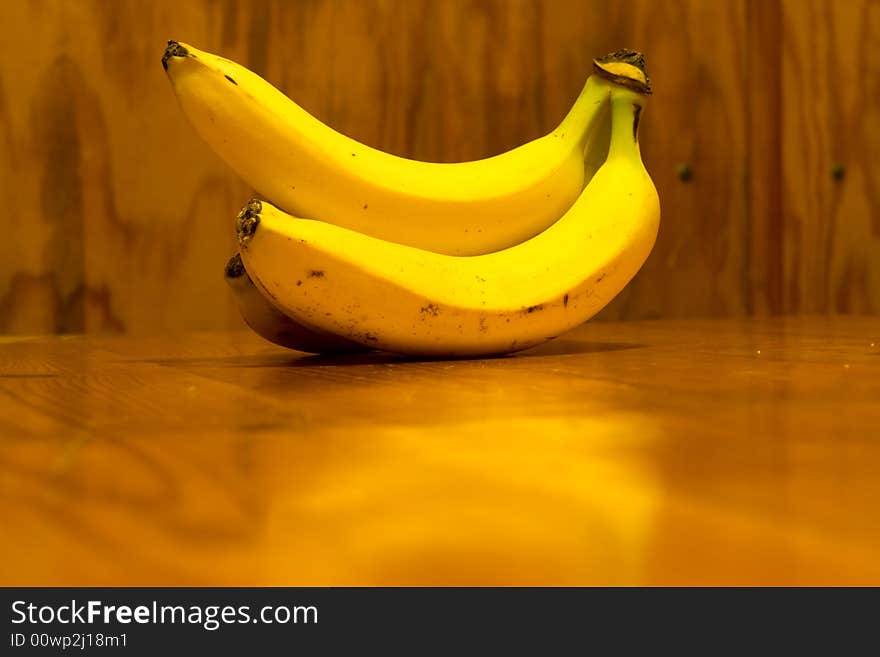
(831, 114)
(119, 219)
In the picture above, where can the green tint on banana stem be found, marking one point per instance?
(273, 325)
(309, 169)
(408, 300)
(597, 144)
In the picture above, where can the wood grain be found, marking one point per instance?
(663, 452)
(765, 132)
(122, 215)
(831, 75)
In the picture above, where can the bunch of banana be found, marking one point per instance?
(360, 249)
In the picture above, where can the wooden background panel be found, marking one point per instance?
(763, 266)
(831, 115)
(122, 215)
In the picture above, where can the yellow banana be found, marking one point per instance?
(271, 324)
(408, 300)
(309, 169)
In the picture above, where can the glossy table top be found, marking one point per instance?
(660, 452)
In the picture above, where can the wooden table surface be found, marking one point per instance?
(660, 452)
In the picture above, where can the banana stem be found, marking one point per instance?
(626, 111)
(583, 115)
(625, 68)
(622, 69)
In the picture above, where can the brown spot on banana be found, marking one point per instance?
(316, 273)
(229, 77)
(638, 113)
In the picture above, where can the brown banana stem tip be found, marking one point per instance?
(604, 67)
(247, 220)
(235, 267)
(173, 49)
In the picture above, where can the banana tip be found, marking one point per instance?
(247, 220)
(235, 267)
(173, 49)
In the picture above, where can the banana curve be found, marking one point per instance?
(273, 325)
(310, 170)
(409, 300)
